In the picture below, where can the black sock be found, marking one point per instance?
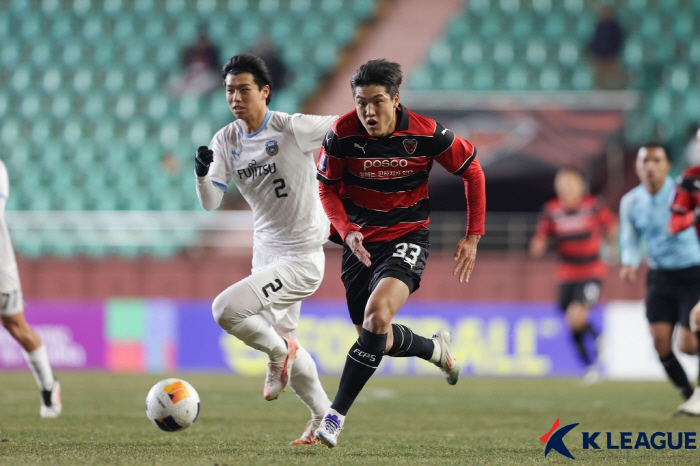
(363, 359)
(677, 374)
(581, 347)
(408, 344)
(591, 330)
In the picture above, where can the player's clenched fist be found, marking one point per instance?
(202, 159)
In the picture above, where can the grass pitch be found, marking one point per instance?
(396, 421)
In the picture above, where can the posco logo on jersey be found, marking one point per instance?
(384, 163)
(554, 440)
(254, 170)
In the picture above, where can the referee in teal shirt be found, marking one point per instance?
(673, 280)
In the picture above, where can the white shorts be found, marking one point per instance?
(11, 302)
(282, 281)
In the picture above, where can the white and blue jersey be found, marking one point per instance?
(274, 169)
(646, 217)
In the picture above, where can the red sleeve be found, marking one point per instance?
(544, 225)
(475, 190)
(682, 208)
(606, 217)
(333, 205)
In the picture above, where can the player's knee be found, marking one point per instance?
(15, 328)
(378, 320)
(662, 345)
(688, 345)
(220, 311)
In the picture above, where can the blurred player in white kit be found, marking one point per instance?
(270, 157)
(12, 314)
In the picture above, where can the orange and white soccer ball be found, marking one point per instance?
(172, 405)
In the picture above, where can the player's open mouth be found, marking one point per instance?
(372, 123)
(238, 108)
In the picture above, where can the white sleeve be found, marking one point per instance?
(309, 130)
(4, 185)
(212, 186)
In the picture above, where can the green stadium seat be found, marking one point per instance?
(660, 105)
(157, 107)
(187, 29)
(146, 81)
(82, 80)
(331, 7)
(650, 27)
(440, 54)
(582, 80)
(490, 27)
(282, 27)
(522, 26)
(312, 27)
(536, 53)
(93, 27)
(9, 56)
(363, 8)
(691, 105)
(344, 31)
(458, 30)
(421, 79)
(4, 103)
(136, 133)
(325, 56)
(554, 27)
(61, 26)
(41, 53)
(206, 7)
(694, 52)
(453, 78)
(509, 7)
(237, 6)
(114, 80)
(574, 7)
(31, 105)
(585, 25)
(633, 53)
(568, 53)
(93, 105)
(503, 53)
(31, 27)
(189, 107)
(21, 79)
(135, 54)
(10, 131)
(169, 134)
(175, 7)
(300, 7)
(484, 77)
(51, 80)
(61, 105)
(472, 53)
(517, 78)
(683, 27)
(678, 78)
(549, 78)
(478, 7)
(41, 131)
(103, 52)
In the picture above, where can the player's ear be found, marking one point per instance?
(266, 91)
(396, 100)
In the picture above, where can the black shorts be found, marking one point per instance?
(402, 258)
(672, 294)
(585, 292)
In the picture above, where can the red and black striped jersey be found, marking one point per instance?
(686, 198)
(383, 182)
(578, 233)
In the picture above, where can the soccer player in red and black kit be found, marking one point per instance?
(685, 212)
(374, 170)
(577, 222)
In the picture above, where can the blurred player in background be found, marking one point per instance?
(673, 280)
(269, 155)
(577, 222)
(12, 315)
(685, 212)
(374, 170)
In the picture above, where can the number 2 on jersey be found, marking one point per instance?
(278, 189)
(409, 252)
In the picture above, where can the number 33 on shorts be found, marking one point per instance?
(409, 252)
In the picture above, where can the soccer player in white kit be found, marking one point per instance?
(270, 157)
(12, 315)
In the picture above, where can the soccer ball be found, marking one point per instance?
(172, 405)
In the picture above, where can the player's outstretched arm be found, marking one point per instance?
(465, 257)
(684, 210)
(209, 195)
(354, 241)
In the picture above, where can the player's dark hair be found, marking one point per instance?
(378, 72)
(249, 63)
(658, 145)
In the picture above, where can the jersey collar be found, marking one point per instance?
(259, 130)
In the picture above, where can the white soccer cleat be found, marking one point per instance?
(447, 364)
(592, 376)
(692, 404)
(331, 425)
(308, 437)
(278, 372)
(51, 401)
